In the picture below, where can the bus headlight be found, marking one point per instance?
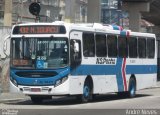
(60, 81)
(64, 79)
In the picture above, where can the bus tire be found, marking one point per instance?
(36, 100)
(87, 92)
(132, 88)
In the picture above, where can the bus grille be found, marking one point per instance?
(36, 74)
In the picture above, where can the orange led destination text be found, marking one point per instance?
(38, 30)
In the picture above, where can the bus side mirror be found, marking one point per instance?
(6, 46)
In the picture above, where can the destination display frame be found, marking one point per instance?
(39, 29)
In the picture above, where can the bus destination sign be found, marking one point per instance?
(39, 29)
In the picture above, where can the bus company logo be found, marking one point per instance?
(106, 61)
(35, 82)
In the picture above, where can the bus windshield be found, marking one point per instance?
(39, 53)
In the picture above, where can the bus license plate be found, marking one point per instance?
(35, 89)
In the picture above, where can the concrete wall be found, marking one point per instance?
(4, 75)
(4, 32)
(70, 10)
(8, 13)
(4, 63)
(135, 9)
(94, 11)
(73, 11)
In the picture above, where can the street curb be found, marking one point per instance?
(11, 100)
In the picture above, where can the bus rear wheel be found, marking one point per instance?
(132, 88)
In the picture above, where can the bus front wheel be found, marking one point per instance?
(36, 100)
(87, 92)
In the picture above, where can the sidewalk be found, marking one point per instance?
(7, 97)
(158, 84)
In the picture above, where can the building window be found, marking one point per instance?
(1, 15)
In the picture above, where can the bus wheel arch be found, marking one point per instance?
(132, 86)
(87, 89)
(90, 80)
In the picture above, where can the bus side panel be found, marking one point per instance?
(105, 84)
(13, 88)
(145, 80)
(76, 84)
(144, 70)
(101, 84)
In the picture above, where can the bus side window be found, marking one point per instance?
(112, 45)
(101, 47)
(122, 47)
(132, 42)
(142, 47)
(88, 45)
(150, 48)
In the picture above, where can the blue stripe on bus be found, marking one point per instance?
(119, 76)
(113, 69)
(141, 69)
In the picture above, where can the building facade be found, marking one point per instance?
(110, 14)
(49, 10)
(1, 12)
(75, 11)
(94, 11)
(17, 11)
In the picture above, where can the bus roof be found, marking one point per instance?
(92, 27)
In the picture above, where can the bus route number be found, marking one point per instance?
(41, 58)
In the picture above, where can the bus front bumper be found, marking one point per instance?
(62, 89)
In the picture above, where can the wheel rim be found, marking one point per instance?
(132, 89)
(86, 91)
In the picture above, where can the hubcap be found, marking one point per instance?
(132, 89)
(86, 91)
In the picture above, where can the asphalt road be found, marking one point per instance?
(147, 102)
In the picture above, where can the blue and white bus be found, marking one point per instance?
(49, 59)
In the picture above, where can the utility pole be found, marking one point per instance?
(8, 13)
(21, 11)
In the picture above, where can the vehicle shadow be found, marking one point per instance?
(62, 101)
